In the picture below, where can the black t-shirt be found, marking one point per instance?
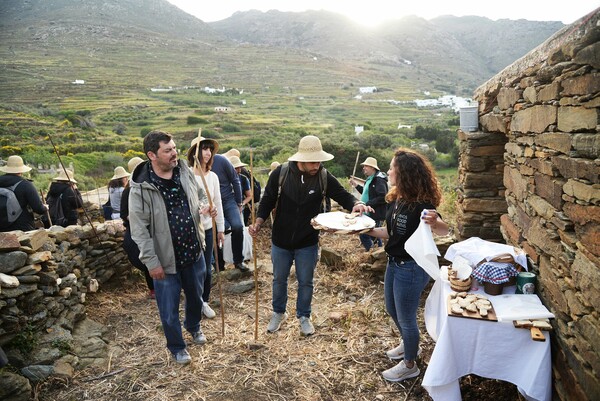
(402, 220)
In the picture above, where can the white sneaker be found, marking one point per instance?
(400, 372)
(199, 337)
(276, 320)
(208, 311)
(398, 352)
(306, 326)
(183, 357)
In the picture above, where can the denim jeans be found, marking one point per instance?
(403, 285)
(233, 220)
(208, 255)
(168, 292)
(305, 260)
(367, 241)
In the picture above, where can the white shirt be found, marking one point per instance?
(212, 181)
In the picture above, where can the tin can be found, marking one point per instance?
(525, 283)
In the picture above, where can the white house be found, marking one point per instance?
(358, 129)
(367, 89)
(78, 82)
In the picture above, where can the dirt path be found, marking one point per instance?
(342, 361)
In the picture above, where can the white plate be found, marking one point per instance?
(335, 221)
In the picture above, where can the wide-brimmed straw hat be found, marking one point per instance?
(192, 150)
(62, 176)
(274, 165)
(15, 165)
(310, 150)
(232, 152)
(236, 162)
(119, 173)
(133, 163)
(371, 162)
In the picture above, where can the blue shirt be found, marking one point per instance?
(229, 180)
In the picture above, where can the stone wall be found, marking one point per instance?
(44, 277)
(530, 177)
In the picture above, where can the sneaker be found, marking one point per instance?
(400, 372)
(398, 352)
(276, 320)
(242, 267)
(208, 311)
(151, 294)
(199, 337)
(306, 326)
(183, 357)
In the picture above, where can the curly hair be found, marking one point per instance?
(415, 179)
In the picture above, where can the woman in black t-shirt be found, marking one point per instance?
(414, 194)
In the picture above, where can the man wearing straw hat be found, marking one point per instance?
(116, 186)
(24, 191)
(165, 204)
(294, 240)
(373, 194)
(64, 189)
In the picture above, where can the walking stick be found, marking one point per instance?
(355, 164)
(253, 219)
(199, 165)
(47, 210)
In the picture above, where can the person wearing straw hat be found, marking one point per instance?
(206, 153)
(25, 192)
(373, 194)
(293, 239)
(165, 204)
(129, 246)
(116, 186)
(64, 189)
(273, 166)
(231, 198)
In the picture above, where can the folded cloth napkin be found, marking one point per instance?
(494, 272)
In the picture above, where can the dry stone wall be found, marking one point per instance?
(531, 177)
(45, 276)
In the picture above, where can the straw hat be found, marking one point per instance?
(15, 165)
(192, 150)
(236, 162)
(62, 176)
(119, 173)
(371, 162)
(232, 152)
(133, 163)
(310, 150)
(274, 165)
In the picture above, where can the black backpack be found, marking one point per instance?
(55, 208)
(10, 208)
(257, 189)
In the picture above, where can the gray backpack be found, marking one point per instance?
(10, 208)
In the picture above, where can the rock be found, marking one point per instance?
(14, 387)
(337, 316)
(34, 239)
(331, 257)
(241, 287)
(11, 261)
(37, 373)
(9, 242)
(64, 367)
(7, 281)
(93, 286)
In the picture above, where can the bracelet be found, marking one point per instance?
(359, 203)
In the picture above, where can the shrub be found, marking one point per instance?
(193, 120)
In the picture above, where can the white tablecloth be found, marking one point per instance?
(495, 350)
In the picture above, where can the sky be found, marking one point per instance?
(373, 12)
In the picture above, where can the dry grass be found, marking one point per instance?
(342, 361)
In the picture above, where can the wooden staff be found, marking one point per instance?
(253, 219)
(355, 164)
(214, 231)
(47, 209)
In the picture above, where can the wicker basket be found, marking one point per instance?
(460, 285)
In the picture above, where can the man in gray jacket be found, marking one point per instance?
(165, 204)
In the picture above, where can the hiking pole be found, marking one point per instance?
(253, 219)
(47, 209)
(72, 185)
(214, 231)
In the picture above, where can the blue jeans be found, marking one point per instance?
(403, 285)
(208, 255)
(233, 220)
(367, 241)
(305, 260)
(168, 292)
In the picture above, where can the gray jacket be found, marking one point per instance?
(148, 216)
